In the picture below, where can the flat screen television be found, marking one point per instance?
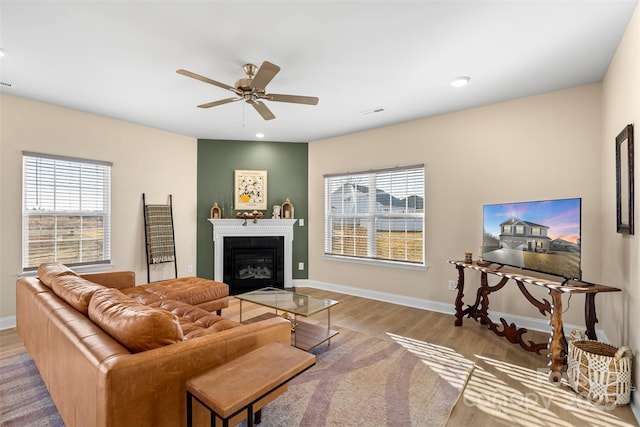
(542, 236)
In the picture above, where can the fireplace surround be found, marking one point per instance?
(223, 228)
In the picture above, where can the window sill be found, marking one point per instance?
(90, 268)
(392, 264)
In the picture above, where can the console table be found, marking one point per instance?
(557, 344)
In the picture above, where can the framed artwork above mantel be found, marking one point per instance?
(250, 192)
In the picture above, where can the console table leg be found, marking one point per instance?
(558, 343)
(590, 318)
(484, 301)
(460, 287)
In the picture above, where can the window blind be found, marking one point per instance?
(66, 210)
(376, 215)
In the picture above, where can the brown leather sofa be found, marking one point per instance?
(115, 354)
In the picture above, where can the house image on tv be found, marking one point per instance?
(524, 235)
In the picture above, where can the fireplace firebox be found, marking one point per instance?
(253, 262)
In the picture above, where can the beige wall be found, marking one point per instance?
(541, 147)
(621, 253)
(144, 161)
(554, 145)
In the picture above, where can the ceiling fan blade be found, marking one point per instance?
(309, 100)
(265, 74)
(216, 103)
(263, 110)
(205, 79)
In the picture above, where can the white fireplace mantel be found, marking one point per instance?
(262, 227)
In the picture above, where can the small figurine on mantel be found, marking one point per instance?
(276, 212)
(287, 209)
(216, 212)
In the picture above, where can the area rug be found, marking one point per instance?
(357, 380)
(24, 399)
(362, 380)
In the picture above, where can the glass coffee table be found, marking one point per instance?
(304, 335)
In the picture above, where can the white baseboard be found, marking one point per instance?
(7, 322)
(535, 324)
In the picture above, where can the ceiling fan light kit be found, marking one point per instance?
(252, 89)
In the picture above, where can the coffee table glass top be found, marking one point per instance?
(284, 300)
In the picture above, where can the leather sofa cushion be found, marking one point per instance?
(49, 271)
(138, 294)
(192, 290)
(135, 326)
(196, 322)
(75, 290)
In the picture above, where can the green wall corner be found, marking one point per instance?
(287, 172)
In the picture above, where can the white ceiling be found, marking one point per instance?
(119, 58)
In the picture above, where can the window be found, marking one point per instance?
(376, 215)
(65, 210)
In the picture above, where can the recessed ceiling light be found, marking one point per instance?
(460, 81)
(259, 135)
(3, 53)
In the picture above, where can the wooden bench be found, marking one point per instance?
(234, 387)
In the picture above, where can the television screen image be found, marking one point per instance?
(542, 236)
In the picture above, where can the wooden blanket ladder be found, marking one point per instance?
(159, 236)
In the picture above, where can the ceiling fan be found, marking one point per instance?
(252, 89)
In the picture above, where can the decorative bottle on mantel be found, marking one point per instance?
(287, 209)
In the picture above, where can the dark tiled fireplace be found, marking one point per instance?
(253, 262)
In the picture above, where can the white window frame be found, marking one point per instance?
(367, 212)
(59, 186)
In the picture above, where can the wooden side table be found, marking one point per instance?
(236, 386)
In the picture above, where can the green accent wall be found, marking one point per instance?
(287, 171)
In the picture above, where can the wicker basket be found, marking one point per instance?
(598, 371)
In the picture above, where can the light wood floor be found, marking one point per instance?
(508, 386)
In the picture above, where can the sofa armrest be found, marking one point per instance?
(113, 279)
(153, 381)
